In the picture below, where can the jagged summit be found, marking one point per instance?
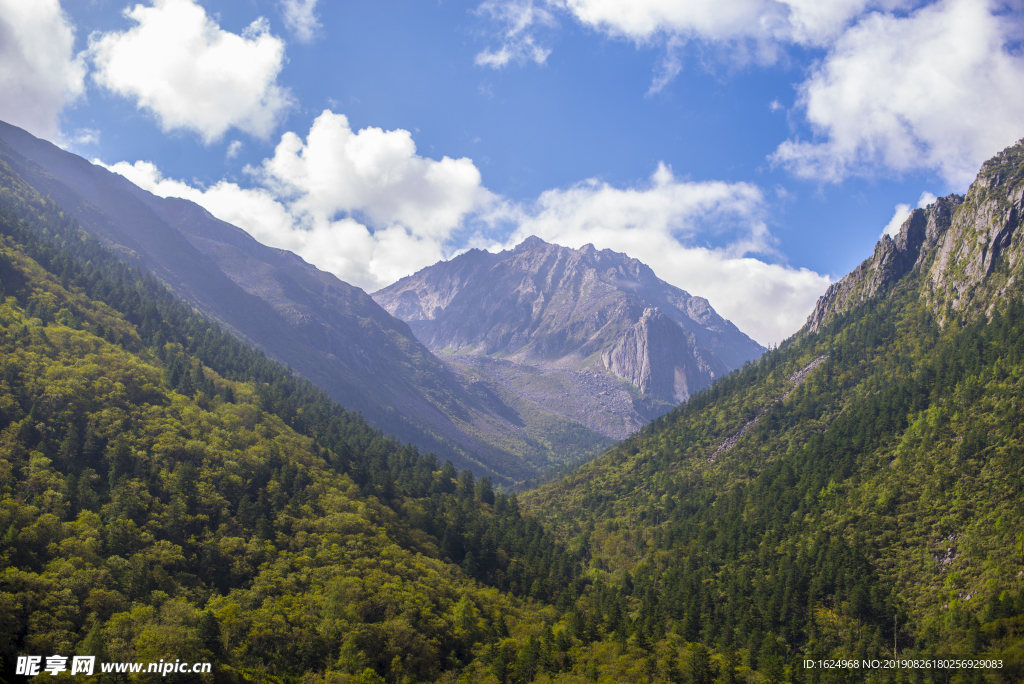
(596, 312)
(968, 248)
(531, 242)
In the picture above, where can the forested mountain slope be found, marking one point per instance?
(332, 333)
(563, 328)
(856, 492)
(166, 490)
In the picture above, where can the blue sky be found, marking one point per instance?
(750, 151)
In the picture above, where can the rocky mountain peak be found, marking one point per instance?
(532, 242)
(979, 256)
(967, 247)
(565, 311)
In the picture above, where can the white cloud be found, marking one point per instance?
(938, 89)
(39, 74)
(902, 212)
(658, 224)
(803, 22)
(374, 173)
(177, 63)
(643, 20)
(362, 205)
(233, 149)
(519, 19)
(300, 18)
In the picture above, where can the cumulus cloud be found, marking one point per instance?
(178, 64)
(519, 20)
(374, 173)
(902, 212)
(39, 73)
(659, 224)
(937, 89)
(300, 18)
(362, 205)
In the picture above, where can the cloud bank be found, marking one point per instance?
(179, 65)
(366, 207)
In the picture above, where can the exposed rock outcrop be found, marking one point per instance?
(796, 379)
(979, 255)
(654, 344)
(891, 261)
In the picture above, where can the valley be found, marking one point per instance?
(855, 494)
(512, 342)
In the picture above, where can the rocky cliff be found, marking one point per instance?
(968, 246)
(661, 358)
(979, 256)
(556, 311)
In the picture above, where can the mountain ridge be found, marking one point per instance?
(329, 331)
(959, 250)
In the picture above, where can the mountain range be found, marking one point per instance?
(508, 422)
(847, 507)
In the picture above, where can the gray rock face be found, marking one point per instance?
(661, 359)
(979, 256)
(966, 248)
(553, 307)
